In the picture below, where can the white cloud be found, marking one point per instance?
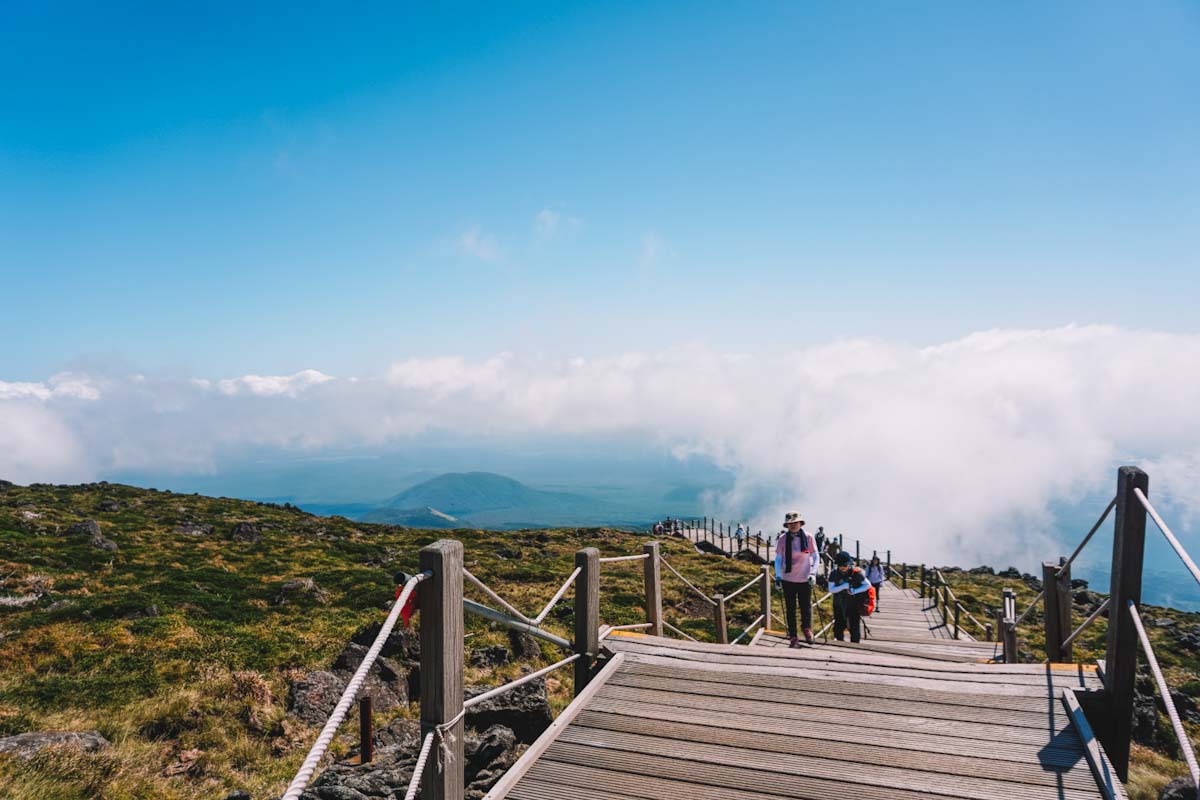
(477, 244)
(269, 385)
(549, 224)
(953, 451)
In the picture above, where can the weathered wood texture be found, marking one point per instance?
(442, 666)
(924, 715)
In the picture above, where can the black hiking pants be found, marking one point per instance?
(878, 593)
(845, 615)
(794, 593)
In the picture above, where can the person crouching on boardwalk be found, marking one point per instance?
(853, 597)
(875, 576)
(796, 572)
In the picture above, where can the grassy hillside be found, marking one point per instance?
(176, 646)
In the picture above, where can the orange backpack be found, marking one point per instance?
(866, 602)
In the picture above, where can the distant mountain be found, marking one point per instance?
(485, 499)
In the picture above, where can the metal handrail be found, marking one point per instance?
(1185, 744)
(512, 622)
(691, 585)
(1091, 618)
(1162, 526)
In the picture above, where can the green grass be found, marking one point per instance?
(175, 643)
(210, 671)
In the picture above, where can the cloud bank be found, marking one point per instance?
(955, 451)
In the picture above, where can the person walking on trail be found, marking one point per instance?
(795, 573)
(832, 548)
(876, 576)
(738, 534)
(819, 538)
(853, 597)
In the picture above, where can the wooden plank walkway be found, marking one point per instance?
(897, 716)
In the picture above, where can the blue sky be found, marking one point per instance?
(217, 191)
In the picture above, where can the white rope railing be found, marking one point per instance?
(557, 596)
(1078, 549)
(414, 785)
(971, 617)
(508, 687)
(749, 628)
(488, 591)
(1063, 567)
(1162, 526)
(305, 773)
(1092, 618)
(691, 585)
(615, 559)
(1032, 605)
(1185, 744)
(669, 626)
(755, 580)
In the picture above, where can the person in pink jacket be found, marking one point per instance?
(796, 572)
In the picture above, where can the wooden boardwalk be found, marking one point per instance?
(908, 713)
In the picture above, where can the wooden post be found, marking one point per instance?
(999, 630)
(719, 618)
(904, 576)
(1120, 662)
(957, 608)
(1010, 628)
(441, 598)
(587, 614)
(857, 553)
(889, 563)
(945, 602)
(764, 597)
(366, 732)
(1057, 608)
(652, 577)
(922, 581)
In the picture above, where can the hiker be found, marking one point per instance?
(795, 574)
(876, 576)
(832, 548)
(659, 529)
(819, 538)
(738, 534)
(853, 597)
